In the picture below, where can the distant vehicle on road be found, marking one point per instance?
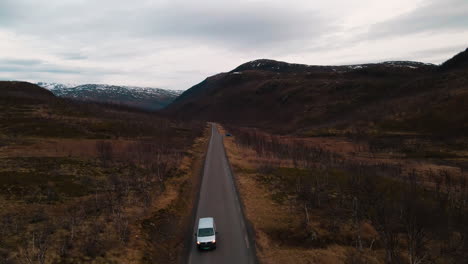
(206, 233)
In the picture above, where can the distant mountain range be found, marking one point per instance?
(287, 97)
(140, 97)
(284, 67)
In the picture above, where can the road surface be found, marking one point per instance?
(218, 199)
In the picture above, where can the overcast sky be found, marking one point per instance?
(175, 44)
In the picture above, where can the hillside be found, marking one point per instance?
(23, 90)
(83, 182)
(459, 61)
(332, 163)
(139, 97)
(286, 98)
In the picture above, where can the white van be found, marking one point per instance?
(206, 233)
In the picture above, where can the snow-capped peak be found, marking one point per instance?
(144, 97)
(52, 85)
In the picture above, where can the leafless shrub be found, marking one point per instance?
(36, 247)
(93, 244)
(355, 257)
(121, 225)
(105, 151)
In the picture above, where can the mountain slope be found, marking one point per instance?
(145, 98)
(292, 97)
(458, 61)
(21, 90)
(58, 160)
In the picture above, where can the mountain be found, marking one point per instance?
(285, 97)
(53, 86)
(458, 61)
(140, 97)
(24, 91)
(284, 67)
(57, 155)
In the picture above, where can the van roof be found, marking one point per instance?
(205, 222)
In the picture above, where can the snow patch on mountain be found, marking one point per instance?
(142, 97)
(284, 67)
(52, 85)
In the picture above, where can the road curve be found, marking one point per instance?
(218, 198)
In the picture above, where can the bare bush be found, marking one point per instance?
(36, 247)
(104, 150)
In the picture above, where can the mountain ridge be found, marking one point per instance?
(458, 61)
(290, 97)
(25, 90)
(281, 66)
(141, 97)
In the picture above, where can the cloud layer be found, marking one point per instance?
(175, 44)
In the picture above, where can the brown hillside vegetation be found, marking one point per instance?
(23, 90)
(346, 164)
(291, 98)
(90, 183)
(458, 61)
(310, 203)
(402, 114)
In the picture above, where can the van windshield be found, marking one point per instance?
(203, 232)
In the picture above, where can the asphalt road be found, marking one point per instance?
(218, 199)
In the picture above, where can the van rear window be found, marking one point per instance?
(202, 232)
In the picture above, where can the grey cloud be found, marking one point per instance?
(7, 13)
(446, 51)
(39, 66)
(43, 69)
(160, 41)
(20, 62)
(255, 24)
(230, 23)
(433, 16)
(74, 56)
(40, 70)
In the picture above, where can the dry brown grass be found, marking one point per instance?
(133, 250)
(335, 231)
(266, 214)
(59, 147)
(360, 153)
(178, 200)
(92, 180)
(171, 197)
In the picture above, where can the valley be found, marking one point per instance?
(346, 164)
(233, 132)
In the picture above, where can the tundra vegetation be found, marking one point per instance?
(92, 183)
(346, 164)
(349, 200)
